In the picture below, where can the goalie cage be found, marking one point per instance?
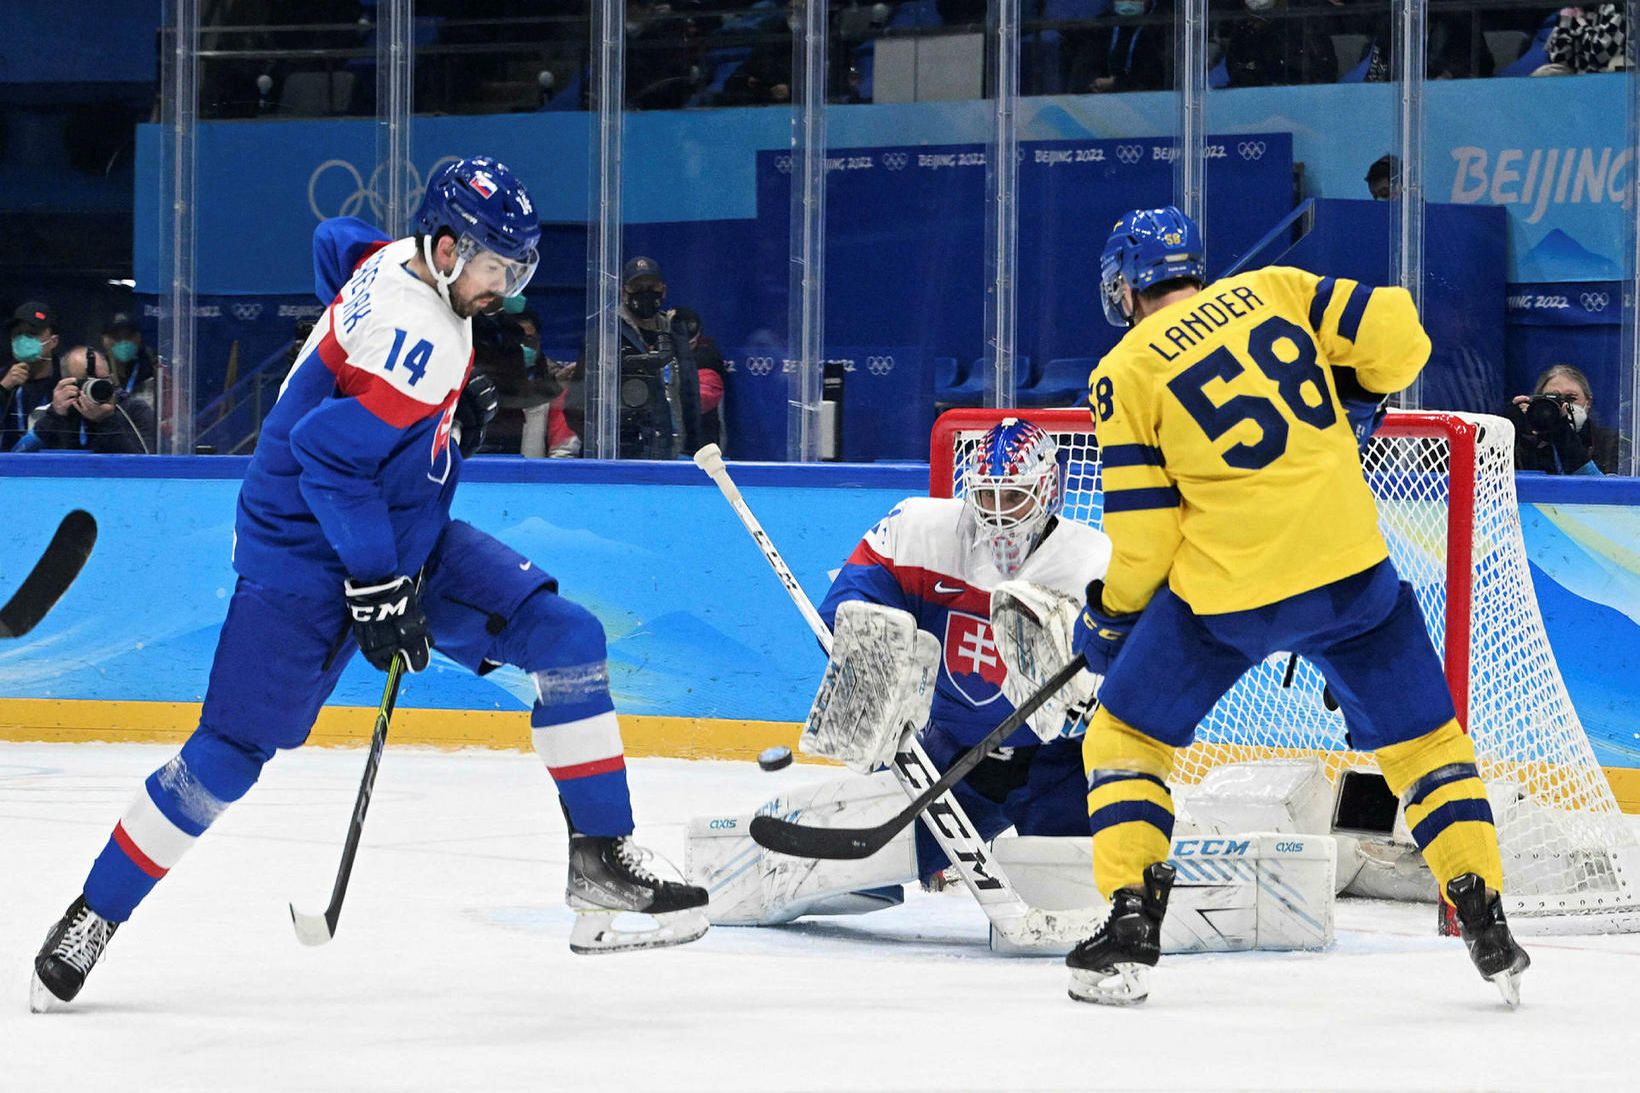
(1445, 488)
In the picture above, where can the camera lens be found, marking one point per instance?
(98, 389)
(1544, 414)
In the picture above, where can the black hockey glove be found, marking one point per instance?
(387, 619)
(474, 411)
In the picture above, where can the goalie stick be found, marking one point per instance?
(1010, 916)
(45, 584)
(862, 842)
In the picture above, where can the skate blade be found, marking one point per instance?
(40, 998)
(1123, 985)
(596, 932)
(1508, 984)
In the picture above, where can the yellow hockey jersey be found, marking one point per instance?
(1230, 469)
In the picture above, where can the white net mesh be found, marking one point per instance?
(1569, 854)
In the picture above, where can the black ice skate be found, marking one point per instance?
(607, 877)
(1111, 968)
(1491, 946)
(72, 949)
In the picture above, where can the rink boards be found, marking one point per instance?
(708, 658)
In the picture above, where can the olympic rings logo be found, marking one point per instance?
(783, 164)
(760, 366)
(896, 161)
(1595, 301)
(328, 187)
(247, 313)
(1251, 149)
(879, 366)
(1130, 153)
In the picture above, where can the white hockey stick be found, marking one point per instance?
(1022, 925)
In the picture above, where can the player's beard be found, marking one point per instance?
(469, 306)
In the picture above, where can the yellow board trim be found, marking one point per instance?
(85, 721)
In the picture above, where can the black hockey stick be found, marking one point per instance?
(62, 561)
(318, 929)
(843, 843)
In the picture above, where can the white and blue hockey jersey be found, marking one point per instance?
(354, 469)
(922, 559)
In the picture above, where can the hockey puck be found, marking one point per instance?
(778, 757)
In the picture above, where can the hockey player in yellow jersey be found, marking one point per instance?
(1230, 420)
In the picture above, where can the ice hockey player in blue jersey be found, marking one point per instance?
(939, 559)
(345, 503)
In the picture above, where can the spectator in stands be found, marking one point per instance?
(1260, 51)
(1587, 41)
(711, 369)
(133, 362)
(527, 384)
(1383, 178)
(663, 51)
(1129, 56)
(764, 78)
(89, 413)
(32, 370)
(1555, 430)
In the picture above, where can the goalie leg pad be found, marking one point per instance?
(1130, 808)
(1446, 804)
(751, 886)
(880, 681)
(1233, 893)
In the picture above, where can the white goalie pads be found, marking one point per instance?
(878, 684)
(1253, 891)
(1032, 625)
(750, 886)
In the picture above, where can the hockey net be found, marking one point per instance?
(1445, 487)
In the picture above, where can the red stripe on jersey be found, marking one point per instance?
(138, 858)
(926, 584)
(369, 249)
(587, 770)
(374, 393)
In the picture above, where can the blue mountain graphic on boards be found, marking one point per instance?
(1559, 257)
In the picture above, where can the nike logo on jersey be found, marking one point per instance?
(524, 566)
(944, 589)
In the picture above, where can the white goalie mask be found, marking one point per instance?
(1011, 489)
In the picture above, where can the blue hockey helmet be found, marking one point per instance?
(1011, 487)
(481, 203)
(1147, 247)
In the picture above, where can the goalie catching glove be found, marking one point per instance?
(1033, 626)
(878, 684)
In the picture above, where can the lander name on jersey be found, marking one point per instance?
(922, 558)
(1230, 469)
(354, 469)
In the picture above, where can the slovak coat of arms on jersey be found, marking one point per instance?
(973, 665)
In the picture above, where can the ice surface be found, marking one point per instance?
(451, 971)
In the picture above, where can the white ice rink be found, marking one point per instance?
(450, 970)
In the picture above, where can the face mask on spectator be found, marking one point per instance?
(1579, 416)
(124, 351)
(1259, 7)
(25, 348)
(1129, 7)
(646, 304)
(530, 355)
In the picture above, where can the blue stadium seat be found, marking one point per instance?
(916, 13)
(971, 391)
(1064, 382)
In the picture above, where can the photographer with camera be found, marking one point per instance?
(133, 363)
(659, 388)
(89, 413)
(1555, 430)
(26, 382)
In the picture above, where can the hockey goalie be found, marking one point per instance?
(948, 614)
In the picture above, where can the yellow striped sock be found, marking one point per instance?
(1446, 804)
(1130, 810)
